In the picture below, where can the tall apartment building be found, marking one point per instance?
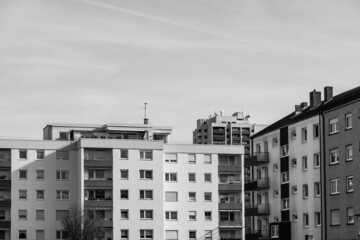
(302, 175)
(138, 186)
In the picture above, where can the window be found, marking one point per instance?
(350, 215)
(62, 195)
(62, 155)
(62, 135)
(22, 214)
(146, 194)
(207, 196)
(207, 158)
(333, 125)
(207, 177)
(295, 217)
(317, 189)
(171, 196)
(23, 174)
(171, 235)
(304, 163)
(40, 154)
(61, 214)
(293, 135)
(124, 194)
(124, 213)
(97, 174)
(293, 162)
(349, 153)
(207, 215)
(171, 158)
(274, 231)
(284, 177)
(146, 214)
(146, 154)
(146, 174)
(171, 177)
(294, 190)
(192, 177)
(306, 220)
(124, 153)
(305, 189)
(23, 194)
(191, 158)
(40, 194)
(192, 215)
(208, 235)
(316, 160)
(317, 219)
(40, 235)
(335, 217)
(316, 131)
(192, 235)
(22, 234)
(2, 215)
(275, 141)
(62, 175)
(23, 154)
(61, 234)
(334, 186)
(285, 204)
(349, 184)
(40, 174)
(171, 215)
(276, 193)
(146, 234)
(124, 234)
(334, 156)
(124, 174)
(275, 167)
(348, 120)
(304, 134)
(284, 150)
(192, 196)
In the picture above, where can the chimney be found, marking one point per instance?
(297, 109)
(328, 91)
(303, 105)
(315, 98)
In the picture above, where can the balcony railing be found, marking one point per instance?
(98, 163)
(5, 164)
(230, 206)
(227, 186)
(5, 203)
(5, 184)
(257, 159)
(259, 210)
(257, 184)
(5, 224)
(98, 203)
(230, 224)
(98, 183)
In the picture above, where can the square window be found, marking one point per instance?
(191, 158)
(334, 186)
(350, 216)
(146, 214)
(146, 194)
(207, 215)
(316, 131)
(22, 194)
(146, 234)
(146, 174)
(333, 125)
(40, 194)
(348, 120)
(275, 167)
(171, 215)
(192, 196)
(40, 154)
(207, 196)
(349, 152)
(62, 135)
(40, 215)
(192, 235)
(22, 214)
(192, 177)
(349, 184)
(62, 195)
(23, 174)
(124, 213)
(192, 215)
(304, 163)
(295, 217)
(22, 234)
(23, 154)
(335, 217)
(171, 158)
(275, 141)
(124, 194)
(207, 177)
(170, 177)
(294, 190)
(293, 162)
(124, 153)
(62, 175)
(334, 156)
(124, 234)
(171, 196)
(207, 158)
(316, 160)
(146, 155)
(124, 174)
(40, 174)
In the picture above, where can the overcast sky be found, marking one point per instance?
(98, 61)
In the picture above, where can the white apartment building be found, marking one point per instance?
(138, 185)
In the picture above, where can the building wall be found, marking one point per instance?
(342, 170)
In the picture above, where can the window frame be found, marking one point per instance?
(333, 125)
(336, 181)
(348, 121)
(349, 185)
(169, 216)
(144, 192)
(317, 160)
(349, 149)
(334, 153)
(143, 214)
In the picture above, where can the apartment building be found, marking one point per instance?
(136, 184)
(296, 186)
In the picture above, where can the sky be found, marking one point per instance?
(99, 61)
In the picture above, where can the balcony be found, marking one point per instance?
(98, 183)
(4, 184)
(98, 203)
(230, 206)
(5, 224)
(5, 164)
(230, 224)
(257, 159)
(106, 223)
(98, 163)
(229, 168)
(230, 185)
(257, 184)
(5, 203)
(257, 234)
(259, 210)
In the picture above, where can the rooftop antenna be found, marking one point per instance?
(146, 120)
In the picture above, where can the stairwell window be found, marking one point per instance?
(285, 204)
(284, 150)
(317, 219)
(305, 191)
(284, 177)
(333, 126)
(316, 131)
(124, 154)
